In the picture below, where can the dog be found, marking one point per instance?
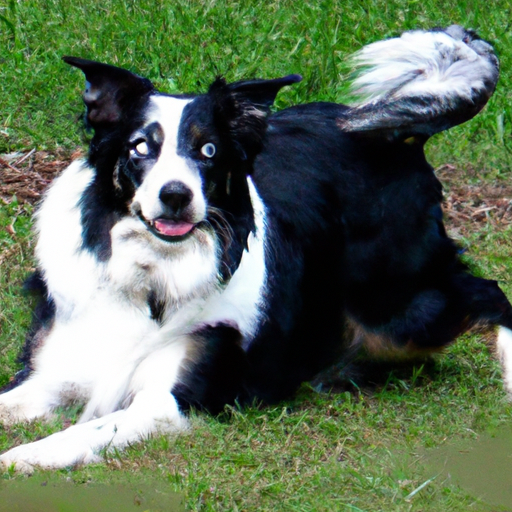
(209, 252)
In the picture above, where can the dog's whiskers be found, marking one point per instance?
(216, 218)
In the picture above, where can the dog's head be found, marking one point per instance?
(177, 163)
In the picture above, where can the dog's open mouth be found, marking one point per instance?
(170, 230)
(168, 227)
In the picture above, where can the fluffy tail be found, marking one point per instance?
(421, 83)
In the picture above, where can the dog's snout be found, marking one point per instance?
(176, 196)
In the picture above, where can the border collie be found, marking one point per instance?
(209, 252)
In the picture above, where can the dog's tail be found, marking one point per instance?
(421, 83)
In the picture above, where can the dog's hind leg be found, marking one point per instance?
(504, 349)
(434, 317)
(491, 307)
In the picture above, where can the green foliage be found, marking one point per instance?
(183, 45)
(15, 262)
(357, 451)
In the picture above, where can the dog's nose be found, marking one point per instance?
(176, 196)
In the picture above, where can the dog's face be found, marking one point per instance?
(178, 163)
(166, 167)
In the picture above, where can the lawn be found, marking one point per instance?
(356, 449)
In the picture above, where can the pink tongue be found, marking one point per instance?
(172, 228)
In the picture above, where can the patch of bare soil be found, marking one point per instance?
(467, 207)
(27, 175)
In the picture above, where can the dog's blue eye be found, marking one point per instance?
(208, 150)
(141, 149)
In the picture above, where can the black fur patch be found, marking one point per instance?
(216, 377)
(42, 320)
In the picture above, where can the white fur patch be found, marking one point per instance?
(504, 348)
(71, 274)
(176, 271)
(240, 303)
(25, 403)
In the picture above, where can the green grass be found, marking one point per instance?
(183, 45)
(15, 262)
(361, 451)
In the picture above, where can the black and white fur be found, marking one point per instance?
(208, 252)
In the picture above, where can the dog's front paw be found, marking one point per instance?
(22, 459)
(23, 404)
(19, 466)
(10, 415)
(54, 452)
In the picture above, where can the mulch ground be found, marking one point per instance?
(27, 175)
(467, 207)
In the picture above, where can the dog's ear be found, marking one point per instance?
(243, 108)
(260, 93)
(108, 90)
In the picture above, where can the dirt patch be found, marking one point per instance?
(467, 207)
(27, 175)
